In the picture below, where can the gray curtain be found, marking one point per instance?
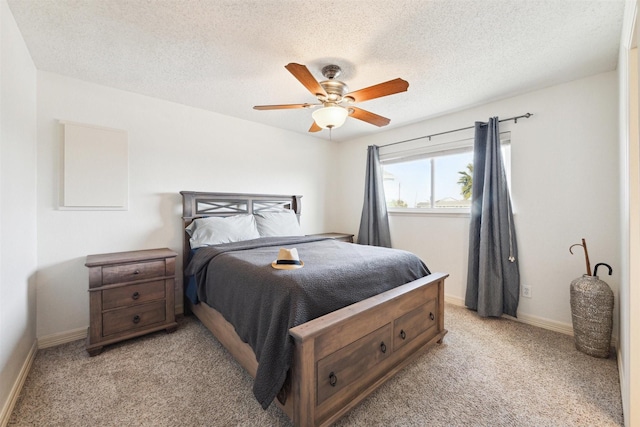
(374, 223)
(493, 279)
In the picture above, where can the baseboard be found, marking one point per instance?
(552, 325)
(454, 300)
(624, 387)
(62, 338)
(75, 334)
(7, 409)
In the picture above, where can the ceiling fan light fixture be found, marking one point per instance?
(330, 117)
(336, 99)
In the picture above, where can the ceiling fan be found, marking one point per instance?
(335, 98)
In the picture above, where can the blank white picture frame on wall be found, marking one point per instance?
(96, 168)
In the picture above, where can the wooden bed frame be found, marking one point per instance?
(339, 358)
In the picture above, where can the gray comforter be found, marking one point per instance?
(263, 303)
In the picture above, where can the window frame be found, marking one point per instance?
(431, 152)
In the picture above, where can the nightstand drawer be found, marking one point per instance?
(128, 319)
(133, 294)
(131, 272)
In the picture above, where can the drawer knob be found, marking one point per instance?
(333, 380)
(136, 319)
(135, 295)
(136, 272)
(431, 316)
(383, 347)
(403, 334)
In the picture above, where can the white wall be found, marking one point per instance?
(564, 187)
(17, 205)
(171, 148)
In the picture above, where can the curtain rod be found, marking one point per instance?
(515, 120)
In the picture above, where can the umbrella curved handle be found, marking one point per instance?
(595, 270)
(586, 254)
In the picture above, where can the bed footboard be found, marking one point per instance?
(342, 357)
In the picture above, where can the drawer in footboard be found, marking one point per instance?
(406, 328)
(342, 357)
(342, 368)
(344, 333)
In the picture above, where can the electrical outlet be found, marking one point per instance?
(526, 291)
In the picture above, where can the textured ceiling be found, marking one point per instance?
(228, 55)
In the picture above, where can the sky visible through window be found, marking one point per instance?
(408, 181)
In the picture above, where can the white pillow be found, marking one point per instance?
(216, 230)
(283, 223)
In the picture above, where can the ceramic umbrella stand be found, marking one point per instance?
(592, 312)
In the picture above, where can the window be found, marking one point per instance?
(433, 179)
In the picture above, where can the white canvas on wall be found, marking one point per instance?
(96, 168)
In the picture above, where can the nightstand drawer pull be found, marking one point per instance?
(136, 272)
(135, 295)
(403, 334)
(136, 319)
(431, 316)
(333, 380)
(383, 347)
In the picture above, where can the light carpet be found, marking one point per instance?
(487, 372)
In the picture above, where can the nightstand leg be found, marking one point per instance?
(171, 329)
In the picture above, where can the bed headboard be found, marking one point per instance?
(201, 205)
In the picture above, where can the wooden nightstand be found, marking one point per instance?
(342, 237)
(130, 294)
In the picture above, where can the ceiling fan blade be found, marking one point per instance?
(305, 77)
(367, 116)
(283, 106)
(379, 90)
(315, 128)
